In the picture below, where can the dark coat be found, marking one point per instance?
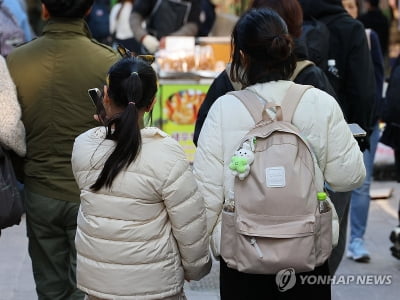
(377, 21)
(355, 86)
(379, 73)
(391, 111)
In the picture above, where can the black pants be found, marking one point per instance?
(235, 285)
(341, 201)
(397, 163)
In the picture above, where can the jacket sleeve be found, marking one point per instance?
(219, 87)
(189, 29)
(140, 12)
(208, 165)
(187, 215)
(136, 21)
(12, 130)
(377, 60)
(391, 109)
(343, 155)
(359, 83)
(113, 18)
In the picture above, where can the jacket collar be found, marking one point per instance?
(146, 133)
(74, 25)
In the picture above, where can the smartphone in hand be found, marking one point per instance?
(97, 99)
(356, 130)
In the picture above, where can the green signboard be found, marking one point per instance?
(176, 112)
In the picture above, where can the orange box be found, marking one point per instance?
(221, 47)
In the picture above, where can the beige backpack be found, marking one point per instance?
(271, 219)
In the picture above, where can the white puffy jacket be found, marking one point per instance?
(12, 130)
(320, 121)
(140, 239)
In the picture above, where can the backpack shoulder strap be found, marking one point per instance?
(251, 102)
(300, 66)
(292, 99)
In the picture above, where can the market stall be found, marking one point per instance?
(186, 69)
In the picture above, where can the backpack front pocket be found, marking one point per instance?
(277, 244)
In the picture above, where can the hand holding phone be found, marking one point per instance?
(97, 99)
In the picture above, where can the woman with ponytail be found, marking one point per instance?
(142, 223)
(263, 61)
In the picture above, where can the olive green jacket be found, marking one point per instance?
(53, 74)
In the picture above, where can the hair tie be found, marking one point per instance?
(133, 103)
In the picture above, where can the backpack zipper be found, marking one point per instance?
(253, 242)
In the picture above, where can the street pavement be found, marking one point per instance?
(353, 280)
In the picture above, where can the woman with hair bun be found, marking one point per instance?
(141, 223)
(262, 61)
(307, 73)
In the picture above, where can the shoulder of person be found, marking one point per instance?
(165, 149)
(109, 48)
(318, 97)
(93, 133)
(27, 42)
(25, 46)
(226, 104)
(344, 20)
(154, 134)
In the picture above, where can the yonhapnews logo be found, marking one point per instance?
(285, 279)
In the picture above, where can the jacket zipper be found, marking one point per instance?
(253, 242)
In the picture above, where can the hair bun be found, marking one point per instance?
(282, 46)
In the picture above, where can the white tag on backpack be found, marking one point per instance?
(275, 177)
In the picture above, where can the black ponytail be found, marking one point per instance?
(132, 86)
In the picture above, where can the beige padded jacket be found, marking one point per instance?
(140, 239)
(320, 121)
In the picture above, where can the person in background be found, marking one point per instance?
(34, 11)
(354, 85)
(98, 21)
(263, 62)
(374, 19)
(290, 11)
(21, 16)
(391, 137)
(163, 18)
(360, 199)
(120, 27)
(53, 74)
(142, 222)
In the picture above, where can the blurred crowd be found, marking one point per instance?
(118, 199)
